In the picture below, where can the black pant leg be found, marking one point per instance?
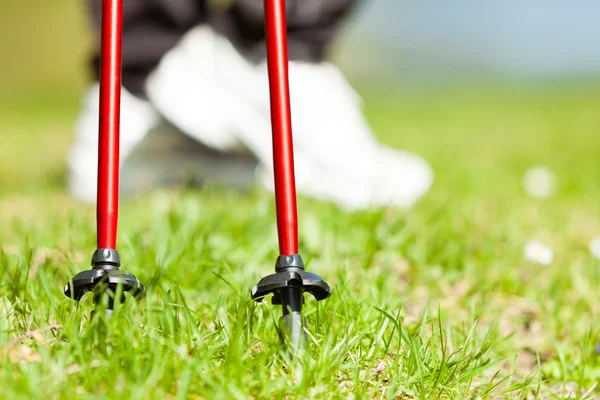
(312, 25)
(150, 29)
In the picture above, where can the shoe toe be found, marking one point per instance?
(394, 178)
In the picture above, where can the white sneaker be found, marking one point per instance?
(208, 90)
(153, 153)
(332, 137)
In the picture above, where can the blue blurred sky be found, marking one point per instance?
(526, 38)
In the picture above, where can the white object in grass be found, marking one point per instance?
(540, 182)
(337, 156)
(595, 247)
(539, 253)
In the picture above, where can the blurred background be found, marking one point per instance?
(421, 40)
(391, 47)
(45, 44)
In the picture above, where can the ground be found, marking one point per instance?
(434, 302)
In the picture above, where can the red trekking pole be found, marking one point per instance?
(290, 281)
(105, 275)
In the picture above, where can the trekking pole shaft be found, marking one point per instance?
(110, 101)
(283, 153)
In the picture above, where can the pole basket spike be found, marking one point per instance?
(105, 277)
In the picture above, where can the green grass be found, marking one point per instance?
(435, 302)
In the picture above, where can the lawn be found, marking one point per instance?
(436, 302)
